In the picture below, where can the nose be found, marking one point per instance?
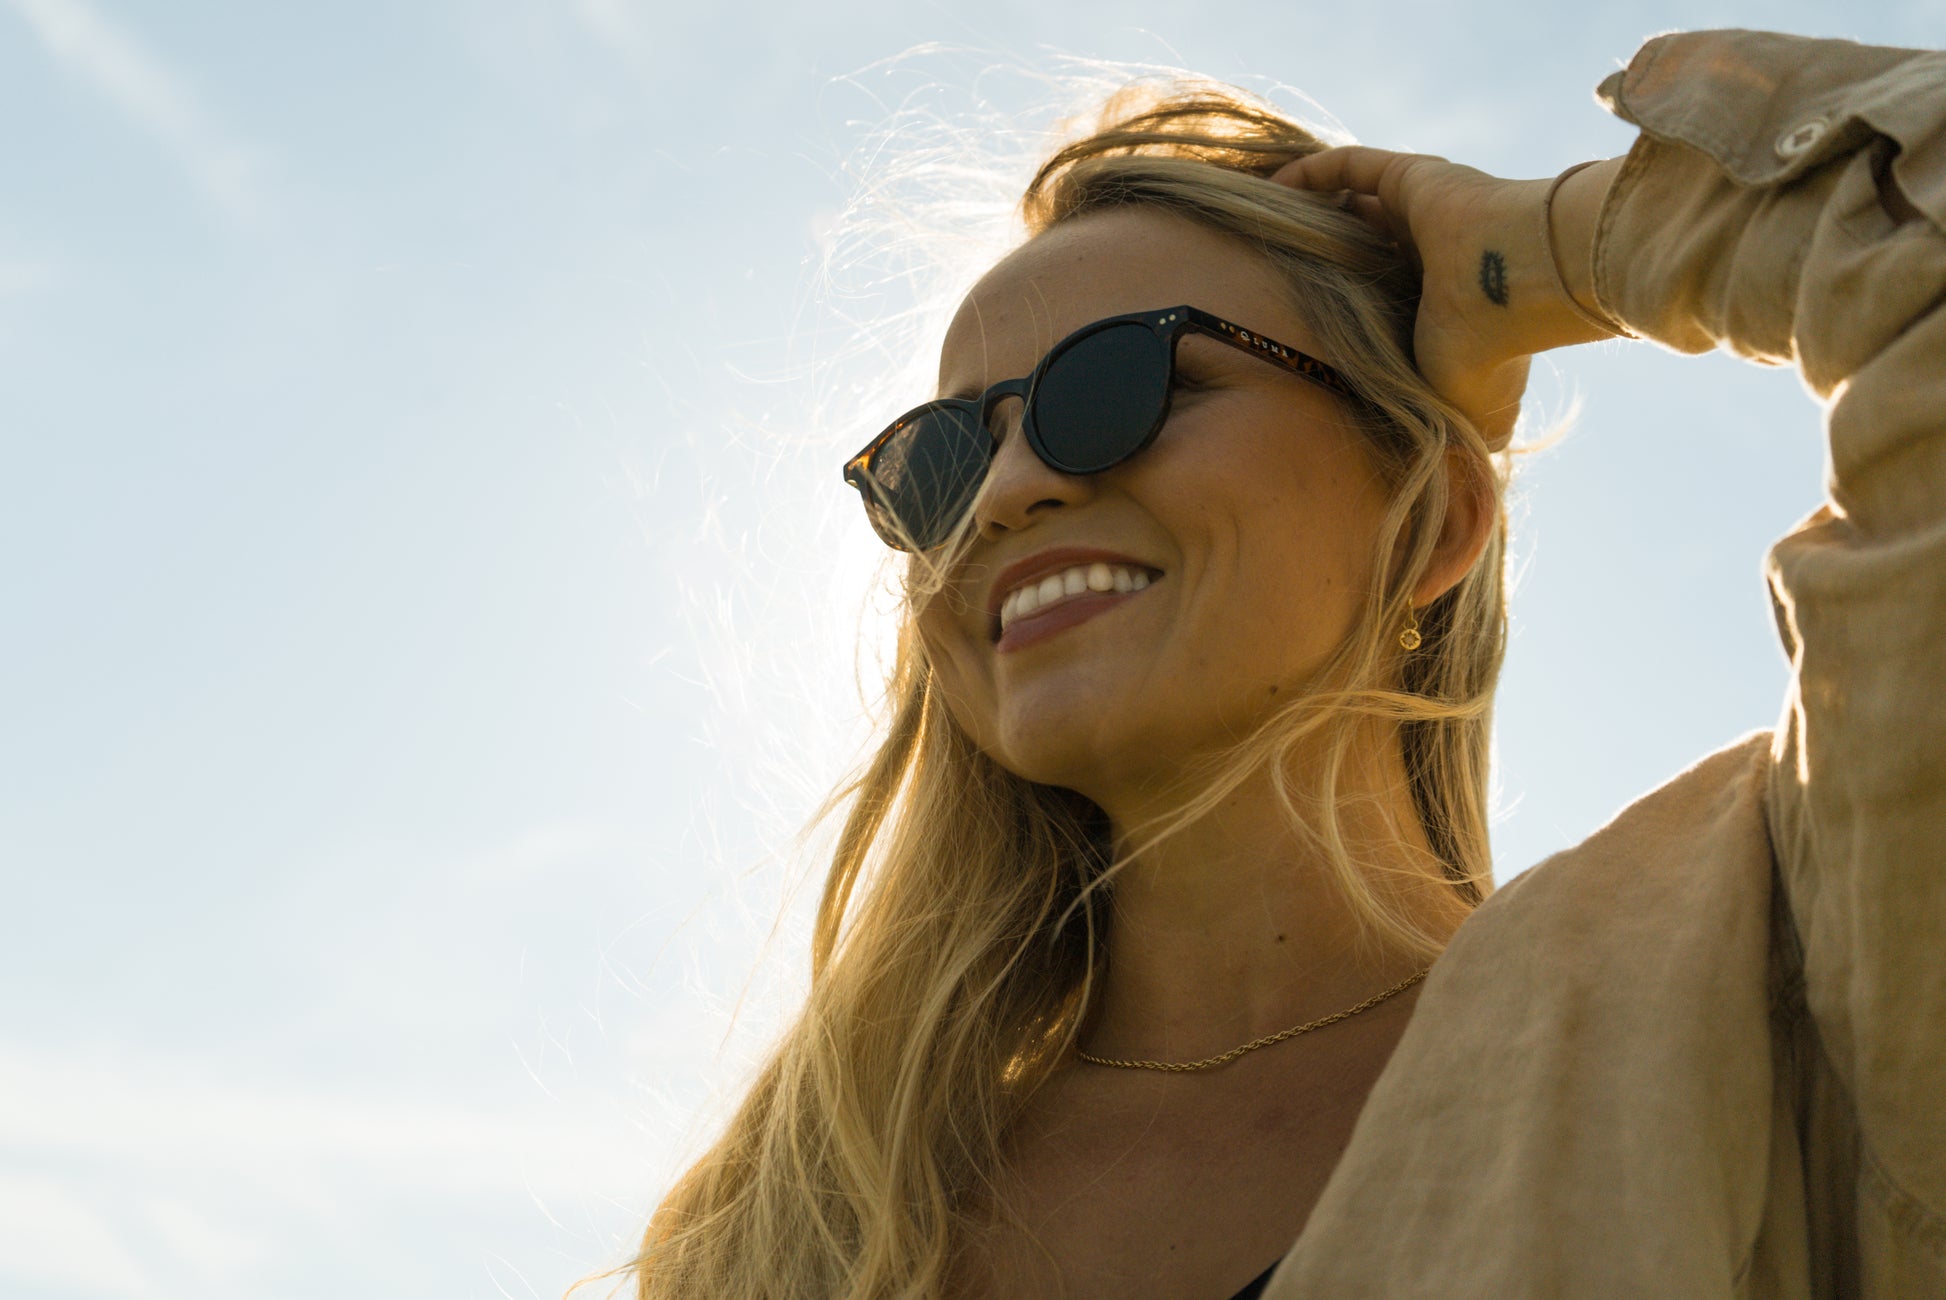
(1020, 487)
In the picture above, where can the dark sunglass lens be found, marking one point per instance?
(1101, 397)
(925, 476)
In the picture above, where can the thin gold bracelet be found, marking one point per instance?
(1602, 322)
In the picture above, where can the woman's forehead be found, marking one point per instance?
(1105, 264)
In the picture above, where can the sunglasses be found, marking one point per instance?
(1098, 397)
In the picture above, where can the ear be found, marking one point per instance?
(1471, 511)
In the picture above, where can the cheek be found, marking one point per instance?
(958, 673)
(1284, 548)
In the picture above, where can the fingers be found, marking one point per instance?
(1382, 219)
(1356, 167)
(1369, 181)
(1364, 205)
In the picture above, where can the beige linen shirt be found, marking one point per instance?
(1704, 1052)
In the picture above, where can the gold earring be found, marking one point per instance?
(1410, 637)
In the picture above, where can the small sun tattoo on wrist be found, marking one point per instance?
(1493, 277)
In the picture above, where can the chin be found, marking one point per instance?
(1081, 758)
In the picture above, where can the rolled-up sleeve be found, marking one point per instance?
(1786, 201)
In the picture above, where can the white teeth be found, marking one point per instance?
(1083, 578)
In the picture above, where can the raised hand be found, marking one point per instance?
(1491, 295)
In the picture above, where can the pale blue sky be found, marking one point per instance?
(420, 520)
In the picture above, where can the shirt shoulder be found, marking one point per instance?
(1584, 1091)
(1672, 843)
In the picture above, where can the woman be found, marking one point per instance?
(1120, 978)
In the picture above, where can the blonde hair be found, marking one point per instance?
(961, 926)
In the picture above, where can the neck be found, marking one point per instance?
(1235, 927)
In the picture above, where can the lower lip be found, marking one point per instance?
(1036, 628)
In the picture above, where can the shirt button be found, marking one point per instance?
(1801, 137)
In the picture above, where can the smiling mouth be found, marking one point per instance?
(1033, 601)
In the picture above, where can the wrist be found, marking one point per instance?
(1522, 248)
(1570, 211)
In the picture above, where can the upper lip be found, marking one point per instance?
(1053, 560)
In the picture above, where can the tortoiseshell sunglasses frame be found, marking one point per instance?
(1170, 323)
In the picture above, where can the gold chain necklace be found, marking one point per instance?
(1180, 1067)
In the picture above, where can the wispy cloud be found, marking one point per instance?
(49, 1237)
(187, 1113)
(145, 1177)
(18, 278)
(418, 1108)
(612, 20)
(100, 52)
